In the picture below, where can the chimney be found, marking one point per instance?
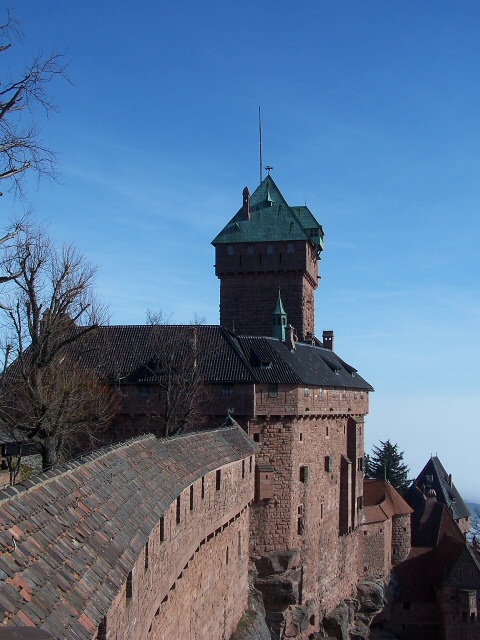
(246, 204)
(290, 337)
(328, 340)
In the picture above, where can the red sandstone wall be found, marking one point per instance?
(293, 400)
(401, 538)
(331, 563)
(249, 285)
(189, 589)
(376, 549)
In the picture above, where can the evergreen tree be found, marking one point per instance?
(386, 463)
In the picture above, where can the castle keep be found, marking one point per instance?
(150, 539)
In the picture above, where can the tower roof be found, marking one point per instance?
(279, 310)
(433, 476)
(271, 219)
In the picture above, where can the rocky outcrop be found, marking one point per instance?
(275, 597)
(352, 618)
(252, 625)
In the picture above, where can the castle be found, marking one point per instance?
(151, 538)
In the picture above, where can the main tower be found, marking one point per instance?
(266, 247)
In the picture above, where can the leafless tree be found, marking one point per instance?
(177, 372)
(21, 95)
(49, 314)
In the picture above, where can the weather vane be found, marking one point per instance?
(268, 168)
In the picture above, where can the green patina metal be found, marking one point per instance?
(279, 320)
(271, 219)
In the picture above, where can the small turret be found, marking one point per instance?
(279, 320)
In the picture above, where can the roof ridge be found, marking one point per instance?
(65, 468)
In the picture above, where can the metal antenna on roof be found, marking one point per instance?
(260, 134)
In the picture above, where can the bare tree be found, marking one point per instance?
(21, 147)
(177, 372)
(48, 396)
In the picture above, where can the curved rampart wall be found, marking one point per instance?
(119, 546)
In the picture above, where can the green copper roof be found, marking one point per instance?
(279, 310)
(279, 320)
(271, 219)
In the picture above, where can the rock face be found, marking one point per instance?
(351, 619)
(252, 625)
(275, 611)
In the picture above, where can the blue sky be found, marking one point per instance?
(370, 115)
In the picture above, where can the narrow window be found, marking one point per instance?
(290, 247)
(359, 503)
(203, 487)
(344, 393)
(300, 526)
(306, 392)
(239, 543)
(327, 431)
(256, 437)
(334, 393)
(191, 497)
(129, 587)
(178, 510)
(228, 390)
(273, 390)
(226, 556)
(321, 510)
(328, 463)
(251, 464)
(162, 529)
(303, 474)
(301, 437)
(270, 249)
(249, 249)
(218, 479)
(146, 555)
(230, 250)
(360, 464)
(243, 469)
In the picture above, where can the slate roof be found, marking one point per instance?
(381, 502)
(425, 570)
(446, 492)
(308, 364)
(128, 353)
(271, 219)
(79, 528)
(431, 520)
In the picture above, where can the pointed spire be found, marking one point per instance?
(279, 320)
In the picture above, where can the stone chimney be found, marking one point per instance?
(290, 338)
(246, 204)
(328, 340)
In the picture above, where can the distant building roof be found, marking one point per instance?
(434, 477)
(271, 219)
(381, 501)
(431, 520)
(69, 537)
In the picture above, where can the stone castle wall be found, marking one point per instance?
(132, 540)
(305, 511)
(376, 549)
(250, 283)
